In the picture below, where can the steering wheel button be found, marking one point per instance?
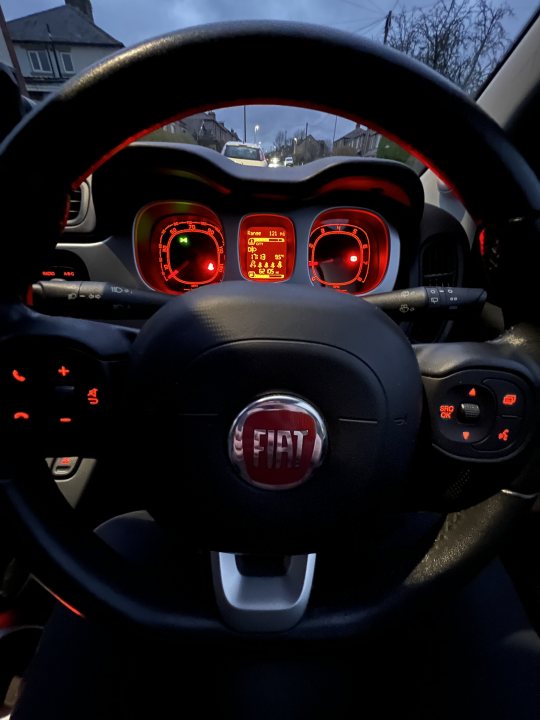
(16, 377)
(19, 376)
(465, 409)
(464, 432)
(61, 369)
(21, 417)
(93, 398)
(62, 421)
(469, 412)
(505, 434)
(63, 373)
(63, 401)
(510, 397)
(64, 392)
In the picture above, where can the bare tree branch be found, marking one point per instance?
(461, 39)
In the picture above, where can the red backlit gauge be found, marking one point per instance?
(191, 252)
(267, 248)
(178, 246)
(348, 250)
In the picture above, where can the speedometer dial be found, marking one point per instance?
(191, 252)
(178, 246)
(348, 250)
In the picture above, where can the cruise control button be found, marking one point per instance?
(504, 434)
(510, 398)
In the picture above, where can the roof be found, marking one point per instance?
(67, 25)
(239, 143)
(358, 131)
(196, 121)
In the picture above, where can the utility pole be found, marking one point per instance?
(244, 123)
(387, 25)
(12, 54)
(53, 47)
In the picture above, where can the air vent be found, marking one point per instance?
(75, 201)
(78, 204)
(441, 262)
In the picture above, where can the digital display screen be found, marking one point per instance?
(266, 253)
(267, 248)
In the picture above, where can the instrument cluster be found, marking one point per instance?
(180, 246)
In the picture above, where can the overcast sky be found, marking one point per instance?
(131, 21)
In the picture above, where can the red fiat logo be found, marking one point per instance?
(276, 442)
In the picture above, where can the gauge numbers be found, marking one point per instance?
(191, 253)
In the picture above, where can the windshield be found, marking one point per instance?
(50, 41)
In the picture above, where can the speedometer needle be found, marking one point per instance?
(178, 270)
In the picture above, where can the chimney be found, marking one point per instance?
(85, 6)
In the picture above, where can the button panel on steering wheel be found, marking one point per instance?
(478, 413)
(55, 393)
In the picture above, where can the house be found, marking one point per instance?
(207, 130)
(53, 45)
(360, 141)
(308, 149)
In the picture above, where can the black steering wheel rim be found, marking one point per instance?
(135, 85)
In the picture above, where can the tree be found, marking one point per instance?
(390, 150)
(281, 139)
(461, 39)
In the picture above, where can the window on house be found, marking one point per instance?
(67, 63)
(40, 62)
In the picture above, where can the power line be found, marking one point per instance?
(369, 26)
(374, 8)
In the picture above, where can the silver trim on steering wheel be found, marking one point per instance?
(254, 603)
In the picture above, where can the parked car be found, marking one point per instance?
(244, 153)
(270, 439)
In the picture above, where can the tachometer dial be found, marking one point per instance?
(191, 252)
(348, 250)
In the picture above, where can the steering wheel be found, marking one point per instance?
(296, 460)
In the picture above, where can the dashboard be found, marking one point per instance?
(180, 246)
(169, 218)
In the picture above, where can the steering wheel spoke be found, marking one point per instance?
(482, 397)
